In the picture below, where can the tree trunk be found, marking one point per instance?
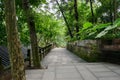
(86, 1)
(33, 36)
(70, 33)
(76, 18)
(91, 6)
(111, 16)
(16, 56)
(115, 9)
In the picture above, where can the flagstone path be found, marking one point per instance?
(64, 65)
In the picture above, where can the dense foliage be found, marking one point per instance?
(50, 24)
(2, 25)
(100, 31)
(98, 19)
(49, 30)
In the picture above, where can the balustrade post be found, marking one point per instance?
(29, 57)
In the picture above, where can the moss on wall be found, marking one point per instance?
(89, 52)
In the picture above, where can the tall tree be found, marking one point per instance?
(111, 11)
(91, 7)
(76, 18)
(115, 9)
(16, 57)
(70, 33)
(33, 36)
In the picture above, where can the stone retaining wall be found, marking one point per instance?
(97, 50)
(86, 49)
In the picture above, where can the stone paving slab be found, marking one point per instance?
(68, 75)
(117, 71)
(73, 68)
(34, 74)
(87, 75)
(49, 76)
(106, 74)
(75, 72)
(110, 78)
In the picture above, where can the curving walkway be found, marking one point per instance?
(63, 65)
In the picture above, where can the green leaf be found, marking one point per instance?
(87, 25)
(101, 34)
(110, 27)
(100, 26)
